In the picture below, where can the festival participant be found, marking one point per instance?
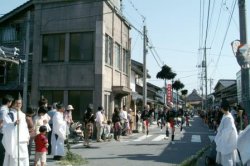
(16, 136)
(58, 133)
(226, 138)
(6, 103)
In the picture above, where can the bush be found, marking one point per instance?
(72, 159)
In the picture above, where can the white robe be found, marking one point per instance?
(226, 141)
(243, 145)
(59, 128)
(10, 140)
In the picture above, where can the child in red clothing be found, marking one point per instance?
(41, 142)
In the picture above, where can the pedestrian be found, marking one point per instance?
(42, 119)
(29, 120)
(88, 120)
(16, 136)
(170, 118)
(41, 143)
(68, 117)
(51, 113)
(124, 120)
(226, 138)
(145, 116)
(58, 133)
(99, 123)
(117, 124)
(4, 110)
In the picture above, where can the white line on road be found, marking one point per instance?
(159, 138)
(196, 138)
(211, 137)
(142, 137)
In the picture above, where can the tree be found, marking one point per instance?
(166, 73)
(184, 92)
(177, 85)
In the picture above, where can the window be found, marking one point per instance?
(2, 74)
(108, 111)
(53, 95)
(117, 56)
(53, 48)
(80, 101)
(125, 61)
(81, 46)
(108, 49)
(10, 34)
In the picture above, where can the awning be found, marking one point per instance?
(121, 91)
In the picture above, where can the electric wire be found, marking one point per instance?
(224, 39)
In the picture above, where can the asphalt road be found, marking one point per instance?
(141, 150)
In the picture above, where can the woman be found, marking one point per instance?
(88, 120)
(117, 123)
(29, 120)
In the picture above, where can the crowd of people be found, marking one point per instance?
(50, 127)
(230, 124)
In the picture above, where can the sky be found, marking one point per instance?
(176, 34)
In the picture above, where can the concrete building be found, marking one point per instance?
(80, 52)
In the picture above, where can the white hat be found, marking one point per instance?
(70, 107)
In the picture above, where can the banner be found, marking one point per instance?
(169, 93)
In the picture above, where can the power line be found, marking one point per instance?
(229, 22)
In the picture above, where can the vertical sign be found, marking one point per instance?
(169, 93)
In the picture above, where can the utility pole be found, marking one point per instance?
(204, 65)
(25, 79)
(145, 43)
(245, 78)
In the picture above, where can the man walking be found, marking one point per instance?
(226, 138)
(99, 123)
(4, 110)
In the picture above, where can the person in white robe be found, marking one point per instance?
(16, 137)
(58, 133)
(243, 145)
(226, 138)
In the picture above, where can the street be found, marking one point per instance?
(152, 150)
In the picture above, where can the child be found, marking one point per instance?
(107, 130)
(41, 143)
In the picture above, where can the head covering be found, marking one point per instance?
(70, 107)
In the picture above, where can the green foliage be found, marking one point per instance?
(184, 92)
(177, 85)
(72, 159)
(166, 73)
(192, 161)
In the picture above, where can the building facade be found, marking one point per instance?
(80, 53)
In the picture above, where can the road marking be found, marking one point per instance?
(196, 138)
(159, 138)
(142, 137)
(76, 145)
(211, 137)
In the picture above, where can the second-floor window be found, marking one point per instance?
(118, 56)
(125, 61)
(53, 48)
(10, 34)
(108, 49)
(81, 46)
